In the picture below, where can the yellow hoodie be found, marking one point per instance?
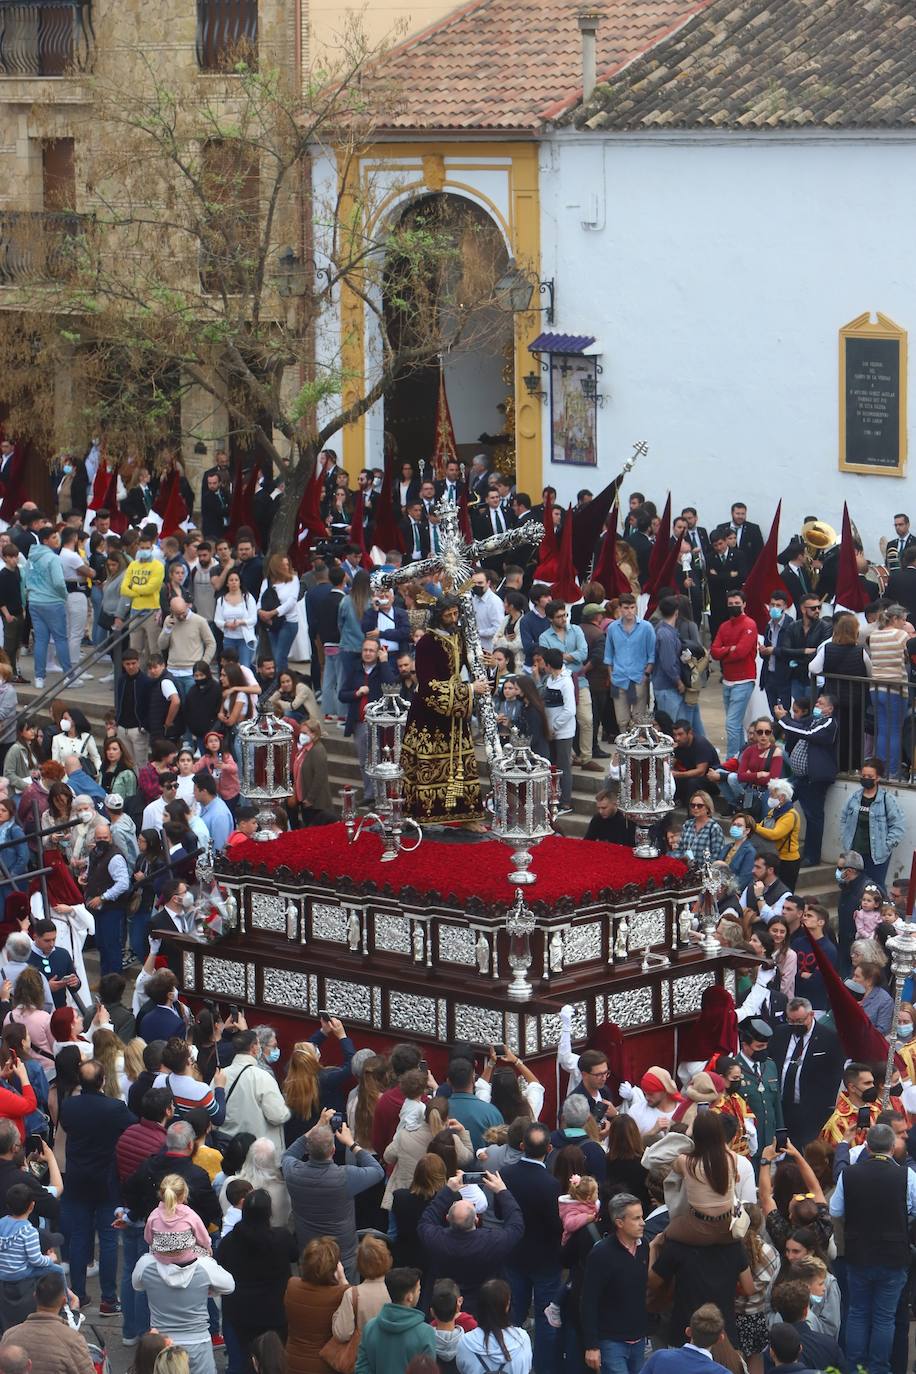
(143, 583)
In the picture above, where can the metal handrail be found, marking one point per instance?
(47, 694)
(876, 718)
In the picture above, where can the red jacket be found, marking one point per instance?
(754, 761)
(739, 635)
(136, 1144)
(385, 1118)
(18, 1105)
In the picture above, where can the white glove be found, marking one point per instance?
(566, 1016)
(765, 976)
(626, 1091)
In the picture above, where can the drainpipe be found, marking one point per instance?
(588, 21)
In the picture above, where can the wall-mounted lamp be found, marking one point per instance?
(531, 380)
(589, 385)
(514, 292)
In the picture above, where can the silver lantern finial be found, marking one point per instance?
(524, 803)
(646, 782)
(386, 719)
(266, 744)
(520, 922)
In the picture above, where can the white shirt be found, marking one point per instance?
(806, 1041)
(70, 561)
(152, 815)
(489, 613)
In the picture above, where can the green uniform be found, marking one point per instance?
(762, 1094)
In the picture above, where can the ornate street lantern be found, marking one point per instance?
(520, 922)
(646, 784)
(524, 803)
(266, 744)
(902, 950)
(386, 720)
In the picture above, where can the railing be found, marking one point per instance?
(45, 37)
(225, 27)
(100, 651)
(37, 245)
(876, 720)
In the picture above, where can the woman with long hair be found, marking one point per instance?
(408, 1206)
(532, 721)
(294, 697)
(625, 1173)
(373, 1077)
(15, 856)
(238, 706)
(206, 1036)
(709, 1172)
(67, 1029)
(109, 1051)
(839, 658)
(216, 759)
(495, 1344)
(278, 608)
(570, 1162)
(308, 1078)
(262, 1170)
(74, 738)
(119, 772)
(268, 1354)
(889, 673)
(16, 1037)
(151, 870)
(350, 614)
(28, 1010)
(420, 1125)
(792, 1197)
(237, 616)
(510, 1086)
(60, 806)
(257, 1252)
(751, 1312)
(147, 1351)
(311, 1301)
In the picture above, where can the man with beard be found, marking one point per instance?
(441, 783)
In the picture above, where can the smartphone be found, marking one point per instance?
(863, 1118)
(702, 1106)
(233, 1013)
(324, 1015)
(34, 1145)
(782, 1138)
(472, 1177)
(337, 1121)
(423, 1066)
(499, 1050)
(600, 1109)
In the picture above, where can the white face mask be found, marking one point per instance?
(187, 900)
(904, 1030)
(85, 815)
(66, 724)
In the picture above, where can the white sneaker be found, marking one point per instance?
(554, 1315)
(39, 682)
(87, 674)
(109, 677)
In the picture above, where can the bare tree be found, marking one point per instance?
(210, 261)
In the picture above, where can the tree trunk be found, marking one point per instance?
(283, 529)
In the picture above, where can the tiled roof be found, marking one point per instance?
(764, 64)
(561, 343)
(511, 64)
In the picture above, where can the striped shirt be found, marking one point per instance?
(189, 1094)
(887, 650)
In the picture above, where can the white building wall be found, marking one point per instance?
(716, 271)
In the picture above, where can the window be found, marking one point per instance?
(58, 174)
(225, 29)
(45, 37)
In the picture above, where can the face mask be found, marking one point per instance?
(776, 613)
(759, 1056)
(736, 831)
(272, 1055)
(816, 1298)
(734, 1088)
(201, 682)
(144, 555)
(817, 712)
(869, 786)
(305, 739)
(734, 611)
(904, 1030)
(478, 591)
(838, 874)
(66, 724)
(870, 1095)
(187, 900)
(797, 1029)
(84, 815)
(68, 468)
(194, 1053)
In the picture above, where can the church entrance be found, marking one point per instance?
(478, 371)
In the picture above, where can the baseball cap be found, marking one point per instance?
(115, 802)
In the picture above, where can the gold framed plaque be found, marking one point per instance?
(873, 393)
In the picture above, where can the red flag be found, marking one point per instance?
(464, 516)
(386, 531)
(444, 449)
(548, 550)
(175, 509)
(565, 587)
(607, 570)
(590, 520)
(850, 594)
(859, 1038)
(658, 558)
(764, 579)
(100, 487)
(308, 521)
(357, 533)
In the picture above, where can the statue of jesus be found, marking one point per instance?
(441, 783)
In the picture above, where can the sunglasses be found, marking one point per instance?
(697, 806)
(169, 786)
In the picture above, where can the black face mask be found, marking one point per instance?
(870, 1095)
(735, 1088)
(896, 1090)
(734, 611)
(478, 591)
(760, 1056)
(796, 1029)
(201, 683)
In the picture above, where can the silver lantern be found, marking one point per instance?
(520, 922)
(646, 782)
(524, 803)
(266, 744)
(386, 720)
(902, 949)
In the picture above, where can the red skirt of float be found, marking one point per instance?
(417, 948)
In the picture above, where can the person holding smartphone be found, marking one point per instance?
(509, 1085)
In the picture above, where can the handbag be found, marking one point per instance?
(341, 1355)
(270, 599)
(740, 1222)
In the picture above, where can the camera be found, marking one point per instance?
(336, 1122)
(782, 1138)
(474, 1177)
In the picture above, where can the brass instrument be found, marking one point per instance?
(818, 538)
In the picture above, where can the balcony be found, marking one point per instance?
(37, 246)
(42, 38)
(225, 28)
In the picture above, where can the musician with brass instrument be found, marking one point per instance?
(894, 549)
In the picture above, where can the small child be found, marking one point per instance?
(824, 1307)
(868, 916)
(579, 1206)
(20, 1251)
(236, 1190)
(174, 1231)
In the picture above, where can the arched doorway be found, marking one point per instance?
(478, 369)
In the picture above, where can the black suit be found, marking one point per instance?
(135, 505)
(797, 584)
(750, 542)
(459, 490)
(901, 586)
(537, 1192)
(214, 512)
(819, 1081)
(702, 538)
(895, 550)
(641, 545)
(483, 525)
(407, 534)
(723, 575)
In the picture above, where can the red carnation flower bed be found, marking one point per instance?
(569, 872)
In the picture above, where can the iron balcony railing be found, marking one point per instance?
(224, 28)
(37, 245)
(876, 719)
(46, 37)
